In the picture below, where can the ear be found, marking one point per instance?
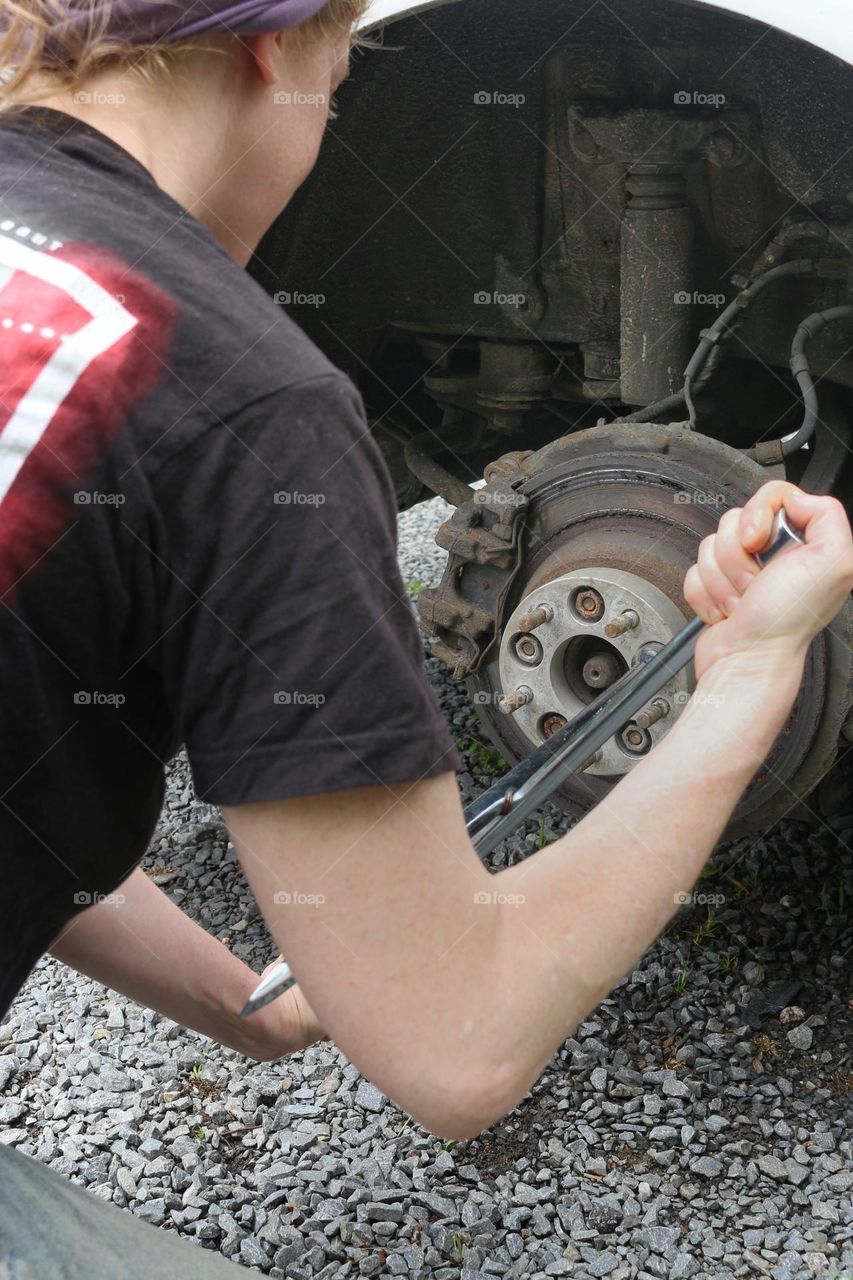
(266, 55)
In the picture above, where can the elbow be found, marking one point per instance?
(463, 1105)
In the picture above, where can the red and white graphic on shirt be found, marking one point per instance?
(81, 342)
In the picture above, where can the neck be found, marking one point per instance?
(197, 154)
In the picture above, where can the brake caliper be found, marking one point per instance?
(483, 539)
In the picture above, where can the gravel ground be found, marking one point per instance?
(699, 1124)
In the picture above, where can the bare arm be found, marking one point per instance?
(144, 946)
(453, 1006)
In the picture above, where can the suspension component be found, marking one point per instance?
(600, 671)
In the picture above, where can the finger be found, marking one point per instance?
(823, 520)
(734, 560)
(818, 517)
(757, 518)
(698, 599)
(715, 582)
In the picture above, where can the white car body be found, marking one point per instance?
(824, 23)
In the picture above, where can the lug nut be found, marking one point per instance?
(553, 724)
(625, 622)
(589, 604)
(636, 740)
(515, 701)
(654, 711)
(646, 653)
(541, 614)
(528, 650)
(600, 671)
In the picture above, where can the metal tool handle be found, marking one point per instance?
(525, 788)
(783, 536)
(277, 981)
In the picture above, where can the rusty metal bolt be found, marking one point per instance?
(600, 671)
(653, 712)
(515, 701)
(636, 740)
(625, 622)
(528, 650)
(553, 724)
(536, 618)
(589, 604)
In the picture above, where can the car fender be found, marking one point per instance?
(823, 23)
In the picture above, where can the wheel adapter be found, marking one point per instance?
(570, 562)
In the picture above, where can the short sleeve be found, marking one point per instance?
(289, 651)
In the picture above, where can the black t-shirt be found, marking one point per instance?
(197, 539)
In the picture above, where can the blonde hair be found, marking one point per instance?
(29, 49)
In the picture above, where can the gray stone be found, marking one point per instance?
(706, 1167)
(800, 1037)
(773, 1167)
(369, 1097)
(659, 1239)
(683, 1267)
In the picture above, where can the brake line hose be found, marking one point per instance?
(801, 369)
(723, 325)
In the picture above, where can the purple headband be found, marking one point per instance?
(147, 21)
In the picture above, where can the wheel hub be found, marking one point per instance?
(571, 638)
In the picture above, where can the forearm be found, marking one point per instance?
(595, 900)
(147, 948)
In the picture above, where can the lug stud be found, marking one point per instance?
(515, 701)
(536, 618)
(625, 622)
(653, 712)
